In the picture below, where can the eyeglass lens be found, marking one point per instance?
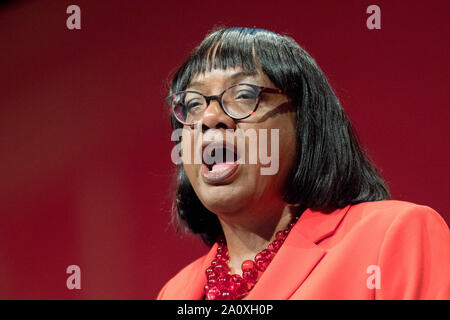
(238, 102)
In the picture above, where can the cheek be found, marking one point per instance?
(285, 146)
(288, 147)
(287, 140)
(187, 154)
(187, 146)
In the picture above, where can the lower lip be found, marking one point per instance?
(219, 173)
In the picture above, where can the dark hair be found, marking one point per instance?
(331, 170)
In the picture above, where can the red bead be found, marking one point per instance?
(250, 275)
(275, 245)
(221, 267)
(221, 285)
(280, 235)
(265, 254)
(211, 276)
(223, 281)
(247, 265)
(259, 256)
(213, 294)
(261, 265)
(250, 284)
(222, 250)
(226, 295)
(212, 282)
(221, 257)
(236, 278)
(242, 288)
(234, 285)
(270, 254)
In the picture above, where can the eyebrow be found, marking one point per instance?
(232, 78)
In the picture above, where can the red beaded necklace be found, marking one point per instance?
(221, 285)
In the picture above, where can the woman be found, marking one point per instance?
(319, 226)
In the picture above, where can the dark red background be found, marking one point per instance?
(85, 138)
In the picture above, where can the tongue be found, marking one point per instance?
(219, 167)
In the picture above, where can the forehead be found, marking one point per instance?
(224, 77)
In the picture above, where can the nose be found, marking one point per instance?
(214, 117)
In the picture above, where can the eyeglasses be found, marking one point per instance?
(239, 102)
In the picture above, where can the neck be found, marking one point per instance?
(247, 237)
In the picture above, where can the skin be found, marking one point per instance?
(249, 205)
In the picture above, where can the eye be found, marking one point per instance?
(193, 104)
(245, 94)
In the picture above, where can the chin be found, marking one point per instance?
(222, 200)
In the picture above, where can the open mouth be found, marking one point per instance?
(215, 154)
(219, 161)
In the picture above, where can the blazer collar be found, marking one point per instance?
(318, 224)
(298, 255)
(295, 260)
(194, 289)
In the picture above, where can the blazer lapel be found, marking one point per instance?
(195, 288)
(298, 256)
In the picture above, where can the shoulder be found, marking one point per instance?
(388, 219)
(411, 242)
(389, 212)
(182, 279)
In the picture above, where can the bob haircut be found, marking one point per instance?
(331, 169)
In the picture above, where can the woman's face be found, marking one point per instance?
(231, 188)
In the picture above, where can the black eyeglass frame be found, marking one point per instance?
(219, 97)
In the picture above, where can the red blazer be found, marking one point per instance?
(373, 250)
